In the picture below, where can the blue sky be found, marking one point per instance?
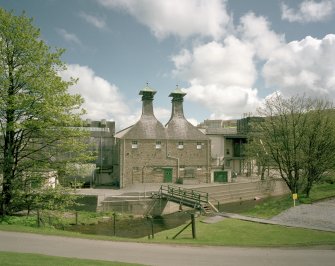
(227, 55)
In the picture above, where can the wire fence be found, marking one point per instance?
(112, 224)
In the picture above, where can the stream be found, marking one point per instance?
(133, 227)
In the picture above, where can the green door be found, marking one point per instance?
(221, 176)
(168, 175)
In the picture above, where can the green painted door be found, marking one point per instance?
(168, 175)
(221, 176)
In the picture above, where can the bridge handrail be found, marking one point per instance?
(184, 193)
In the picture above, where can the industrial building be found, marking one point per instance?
(148, 152)
(227, 149)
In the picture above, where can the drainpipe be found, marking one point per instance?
(143, 173)
(208, 161)
(123, 160)
(175, 158)
(171, 157)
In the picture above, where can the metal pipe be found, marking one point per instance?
(171, 157)
(175, 158)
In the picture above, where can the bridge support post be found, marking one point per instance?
(194, 235)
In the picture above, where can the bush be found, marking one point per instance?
(330, 179)
(19, 220)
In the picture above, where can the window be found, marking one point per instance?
(199, 145)
(199, 167)
(182, 168)
(134, 144)
(227, 151)
(158, 144)
(180, 145)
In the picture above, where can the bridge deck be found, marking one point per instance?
(187, 197)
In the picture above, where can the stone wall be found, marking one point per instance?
(146, 162)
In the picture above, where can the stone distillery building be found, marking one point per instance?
(148, 152)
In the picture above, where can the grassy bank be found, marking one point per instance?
(228, 232)
(320, 192)
(269, 207)
(274, 206)
(25, 259)
(233, 232)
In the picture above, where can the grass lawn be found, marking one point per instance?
(233, 232)
(269, 207)
(25, 259)
(56, 232)
(273, 206)
(228, 232)
(320, 192)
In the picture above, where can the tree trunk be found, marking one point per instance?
(7, 189)
(308, 188)
(8, 155)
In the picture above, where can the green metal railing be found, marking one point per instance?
(184, 195)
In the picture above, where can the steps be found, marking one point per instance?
(207, 209)
(233, 192)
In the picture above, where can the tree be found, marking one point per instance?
(319, 148)
(297, 138)
(37, 114)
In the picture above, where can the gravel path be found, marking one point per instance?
(321, 214)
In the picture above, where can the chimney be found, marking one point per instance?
(147, 98)
(177, 103)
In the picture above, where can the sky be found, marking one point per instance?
(227, 55)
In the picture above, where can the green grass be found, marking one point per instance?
(25, 259)
(56, 232)
(274, 206)
(233, 232)
(269, 207)
(320, 192)
(228, 232)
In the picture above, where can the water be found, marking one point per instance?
(133, 227)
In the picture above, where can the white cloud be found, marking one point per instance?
(162, 114)
(174, 17)
(102, 99)
(69, 37)
(308, 11)
(97, 22)
(221, 76)
(193, 121)
(305, 66)
(227, 63)
(256, 31)
(224, 102)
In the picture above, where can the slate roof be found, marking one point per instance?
(178, 127)
(148, 127)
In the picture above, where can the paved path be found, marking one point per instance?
(320, 215)
(278, 222)
(317, 216)
(160, 254)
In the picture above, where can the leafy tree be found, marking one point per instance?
(319, 148)
(37, 114)
(297, 138)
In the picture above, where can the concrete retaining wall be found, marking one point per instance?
(221, 193)
(232, 192)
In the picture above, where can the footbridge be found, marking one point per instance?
(187, 197)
